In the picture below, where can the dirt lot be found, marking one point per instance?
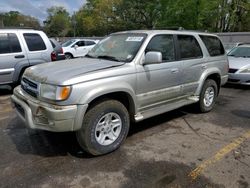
(177, 149)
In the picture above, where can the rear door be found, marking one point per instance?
(38, 46)
(12, 53)
(191, 57)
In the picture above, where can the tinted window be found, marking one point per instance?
(80, 43)
(34, 42)
(163, 44)
(213, 44)
(189, 47)
(4, 44)
(89, 43)
(9, 43)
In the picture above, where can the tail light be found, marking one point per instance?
(61, 50)
(53, 56)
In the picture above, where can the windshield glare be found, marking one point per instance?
(68, 43)
(240, 52)
(122, 47)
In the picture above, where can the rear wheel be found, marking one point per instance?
(208, 95)
(105, 127)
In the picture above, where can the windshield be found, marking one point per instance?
(240, 52)
(118, 47)
(68, 43)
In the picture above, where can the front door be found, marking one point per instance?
(159, 83)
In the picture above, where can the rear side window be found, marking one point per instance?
(189, 47)
(9, 43)
(34, 42)
(213, 44)
(89, 43)
(163, 44)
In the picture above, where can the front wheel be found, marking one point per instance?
(105, 127)
(208, 95)
(68, 56)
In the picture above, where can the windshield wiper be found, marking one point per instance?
(109, 58)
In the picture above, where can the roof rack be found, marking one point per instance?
(170, 28)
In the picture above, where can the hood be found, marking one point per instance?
(60, 71)
(238, 62)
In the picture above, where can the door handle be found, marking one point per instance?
(174, 71)
(19, 56)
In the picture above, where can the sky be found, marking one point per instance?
(37, 8)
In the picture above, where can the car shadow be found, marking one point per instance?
(5, 90)
(49, 144)
(237, 86)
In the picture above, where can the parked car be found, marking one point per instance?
(229, 46)
(57, 54)
(239, 65)
(128, 76)
(19, 49)
(78, 47)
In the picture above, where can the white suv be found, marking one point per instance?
(78, 47)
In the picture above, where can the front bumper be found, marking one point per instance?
(41, 115)
(239, 78)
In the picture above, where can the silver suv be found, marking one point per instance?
(19, 49)
(128, 76)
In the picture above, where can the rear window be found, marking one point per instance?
(34, 42)
(9, 43)
(213, 44)
(189, 47)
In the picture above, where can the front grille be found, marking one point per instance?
(233, 70)
(30, 87)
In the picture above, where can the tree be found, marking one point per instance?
(58, 22)
(16, 19)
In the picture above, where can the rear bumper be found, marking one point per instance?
(40, 115)
(243, 79)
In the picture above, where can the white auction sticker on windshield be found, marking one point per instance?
(134, 39)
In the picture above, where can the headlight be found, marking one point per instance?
(245, 70)
(52, 92)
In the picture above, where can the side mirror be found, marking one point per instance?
(153, 58)
(76, 46)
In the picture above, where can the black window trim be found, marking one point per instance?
(10, 47)
(179, 52)
(174, 42)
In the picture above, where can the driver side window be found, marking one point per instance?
(80, 43)
(163, 44)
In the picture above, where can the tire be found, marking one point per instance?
(98, 128)
(68, 56)
(208, 96)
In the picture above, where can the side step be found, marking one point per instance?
(165, 108)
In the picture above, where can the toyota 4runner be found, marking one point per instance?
(128, 76)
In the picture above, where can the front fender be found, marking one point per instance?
(98, 90)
